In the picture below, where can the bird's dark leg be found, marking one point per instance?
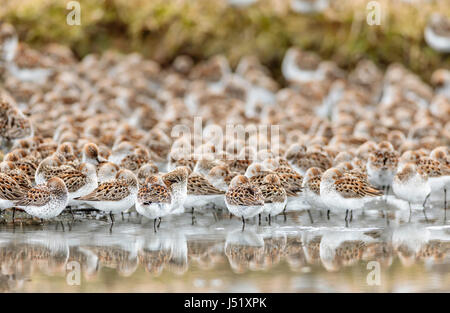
(243, 223)
(111, 216)
(445, 204)
(154, 225)
(193, 216)
(259, 219)
(14, 215)
(62, 224)
(270, 220)
(346, 214)
(310, 216)
(410, 212)
(424, 214)
(159, 223)
(231, 216)
(328, 214)
(351, 216)
(426, 199)
(123, 218)
(71, 212)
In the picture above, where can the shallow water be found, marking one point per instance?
(291, 255)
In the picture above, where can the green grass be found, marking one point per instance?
(163, 29)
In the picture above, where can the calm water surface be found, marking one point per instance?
(400, 253)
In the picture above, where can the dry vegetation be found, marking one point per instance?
(162, 29)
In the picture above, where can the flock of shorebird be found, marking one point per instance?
(98, 132)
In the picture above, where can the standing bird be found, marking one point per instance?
(311, 188)
(411, 186)
(79, 182)
(114, 196)
(154, 200)
(45, 201)
(176, 181)
(345, 192)
(438, 176)
(244, 199)
(381, 168)
(440, 154)
(275, 197)
(200, 193)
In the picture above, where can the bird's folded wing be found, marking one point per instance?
(155, 193)
(74, 180)
(9, 189)
(37, 196)
(107, 191)
(198, 185)
(351, 187)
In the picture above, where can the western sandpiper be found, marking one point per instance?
(45, 201)
(114, 196)
(344, 192)
(154, 200)
(275, 197)
(176, 181)
(200, 193)
(411, 186)
(244, 199)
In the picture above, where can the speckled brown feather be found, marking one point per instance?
(155, 193)
(9, 188)
(352, 187)
(27, 167)
(384, 158)
(257, 180)
(314, 184)
(188, 163)
(245, 194)
(430, 167)
(292, 183)
(57, 171)
(272, 192)
(133, 162)
(239, 166)
(37, 196)
(20, 178)
(73, 179)
(199, 185)
(313, 159)
(108, 191)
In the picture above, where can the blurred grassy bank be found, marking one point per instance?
(162, 29)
